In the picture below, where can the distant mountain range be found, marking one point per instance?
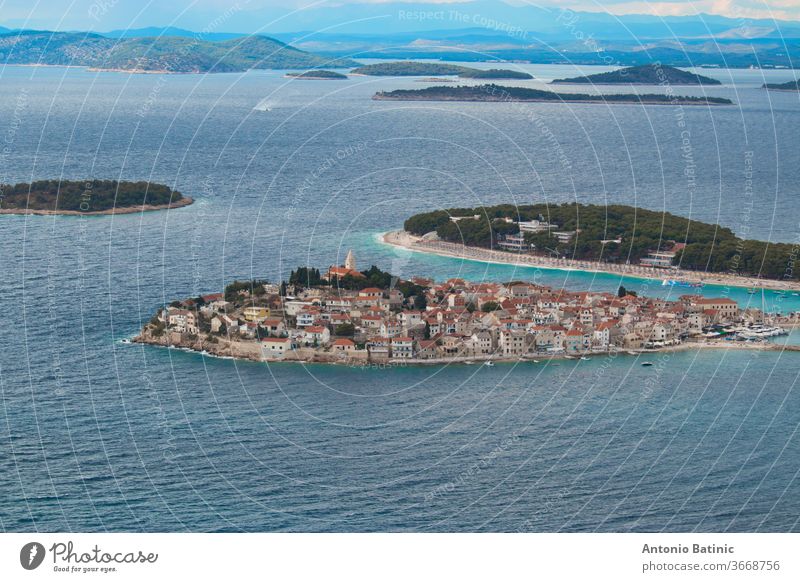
(472, 45)
(644, 75)
(168, 53)
(392, 17)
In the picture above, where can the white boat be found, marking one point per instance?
(263, 105)
(489, 364)
(584, 358)
(125, 341)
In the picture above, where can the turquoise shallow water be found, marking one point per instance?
(98, 435)
(768, 300)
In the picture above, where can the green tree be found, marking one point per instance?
(345, 330)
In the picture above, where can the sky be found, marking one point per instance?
(103, 15)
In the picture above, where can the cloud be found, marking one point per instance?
(756, 9)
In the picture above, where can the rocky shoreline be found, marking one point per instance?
(184, 201)
(251, 351)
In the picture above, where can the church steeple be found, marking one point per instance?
(350, 261)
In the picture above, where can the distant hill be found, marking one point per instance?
(494, 74)
(168, 54)
(408, 69)
(643, 75)
(499, 94)
(171, 31)
(787, 86)
(318, 74)
(415, 69)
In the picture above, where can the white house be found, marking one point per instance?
(276, 347)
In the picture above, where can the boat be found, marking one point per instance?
(584, 358)
(489, 364)
(647, 363)
(633, 353)
(125, 341)
(469, 362)
(263, 105)
(752, 291)
(678, 283)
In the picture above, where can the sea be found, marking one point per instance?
(98, 434)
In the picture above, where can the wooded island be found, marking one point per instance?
(88, 197)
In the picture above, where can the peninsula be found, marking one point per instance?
(500, 94)
(88, 197)
(787, 86)
(418, 69)
(653, 74)
(161, 54)
(615, 239)
(371, 318)
(317, 75)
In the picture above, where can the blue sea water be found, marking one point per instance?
(103, 436)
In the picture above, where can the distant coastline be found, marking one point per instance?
(250, 351)
(185, 201)
(405, 240)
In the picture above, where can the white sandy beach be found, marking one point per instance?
(410, 242)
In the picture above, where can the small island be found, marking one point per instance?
(88, 197)
(317, 75)
(788, 86)
(373, 319)
(415, 69)
(494, 74)
(499, 94)
(654, 74)
(614, 239)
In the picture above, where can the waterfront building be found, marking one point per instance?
(344, 345)
(276, 347)
(514, 242)
(182, 320)
(658, 259)
(402, 347)
(512, 342)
